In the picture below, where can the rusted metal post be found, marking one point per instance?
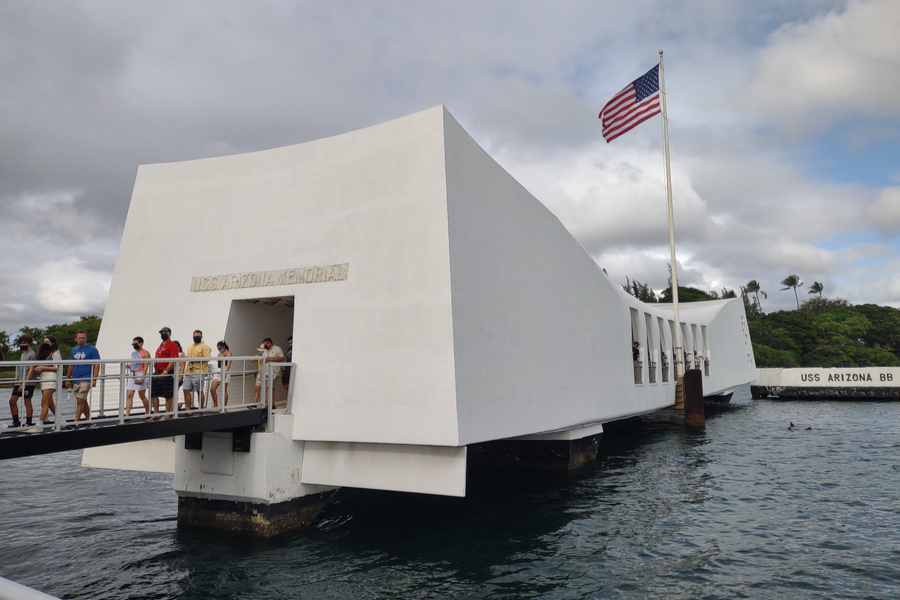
(693, 399)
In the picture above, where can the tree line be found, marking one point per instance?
(64, 333)
(822, 332)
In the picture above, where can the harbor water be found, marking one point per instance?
(745, 508)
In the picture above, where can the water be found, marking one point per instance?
(745, 509)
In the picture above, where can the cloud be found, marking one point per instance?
(830, 67)
(885, 213)
(94, 89)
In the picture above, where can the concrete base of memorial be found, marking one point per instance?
(558, 451)
(264, 520)
(253, 489)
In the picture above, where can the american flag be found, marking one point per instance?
(632, 106)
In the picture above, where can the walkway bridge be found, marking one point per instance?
(113, 421)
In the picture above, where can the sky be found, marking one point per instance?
(784, 124)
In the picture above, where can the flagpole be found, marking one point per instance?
(679, 354)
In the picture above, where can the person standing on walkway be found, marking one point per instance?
(269, 354)
(137, 378)
(49, 351)
(286, 372)
(161, 386)
(195, 371)
(222, 375)
(24, 387)
(83, 377)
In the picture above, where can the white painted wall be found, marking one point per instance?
(469, 313)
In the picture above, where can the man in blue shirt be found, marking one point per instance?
(83, 377)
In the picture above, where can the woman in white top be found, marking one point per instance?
(137, 377)
(224, 367)
(49, 351)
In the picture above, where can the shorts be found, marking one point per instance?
(29, 391)
(81, 389)
(259, 378)
(193, 382)
(218, 377)
(133, 386)
(286, 376)
(48, 380)
(161, 386)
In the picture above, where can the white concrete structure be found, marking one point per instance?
(434, 304)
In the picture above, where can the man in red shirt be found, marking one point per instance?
(161, 384)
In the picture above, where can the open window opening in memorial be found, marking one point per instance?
(652, 348)
(704, 336)
(698, 348)
(664, 354)
(636, 354)
(250, 321)
(687, 348)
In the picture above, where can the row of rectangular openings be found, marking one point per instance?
(653, 348)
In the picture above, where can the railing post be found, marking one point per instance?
(59, 394)
(175, 389)
(102, 387)
(122, 380)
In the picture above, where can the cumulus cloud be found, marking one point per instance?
(830, 67)
(94, 89)
(886, 211)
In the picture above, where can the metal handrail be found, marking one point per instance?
(107, 377)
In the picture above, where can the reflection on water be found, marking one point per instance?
(744, 508)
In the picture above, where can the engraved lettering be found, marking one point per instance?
(234, 281)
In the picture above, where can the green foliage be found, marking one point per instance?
(641, 291)
(686, 294)
(64, 332)
(826, 332)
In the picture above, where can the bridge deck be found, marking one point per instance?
(87, 434)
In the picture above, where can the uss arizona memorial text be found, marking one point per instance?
(237, 281)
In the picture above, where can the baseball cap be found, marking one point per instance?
(165, 330)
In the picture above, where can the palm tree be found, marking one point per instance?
(793, 281)
(816, 288)
(753, 286)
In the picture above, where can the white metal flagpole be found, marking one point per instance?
(679, 354)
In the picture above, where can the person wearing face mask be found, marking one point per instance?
(137, 377)
(195, 371)
(49, 351)
(269, 353)
(161, 385)
(24, 385)
(83, 377)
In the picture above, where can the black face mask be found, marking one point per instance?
(23, 348)
(136, 346)
(164, 336)
(197, 339)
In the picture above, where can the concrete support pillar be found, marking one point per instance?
(694, 415)
(221, 485)
(558, 451)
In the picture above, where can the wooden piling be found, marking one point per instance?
(679, 393)
(693, 398)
